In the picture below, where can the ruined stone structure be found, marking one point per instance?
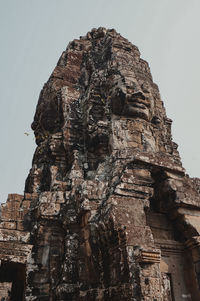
(108, 211)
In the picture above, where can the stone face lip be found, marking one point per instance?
(108, 212)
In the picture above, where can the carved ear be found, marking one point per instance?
(145, 87)
(117, 103)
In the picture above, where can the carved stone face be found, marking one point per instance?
(132, 101)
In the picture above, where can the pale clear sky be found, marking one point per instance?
(33, 35)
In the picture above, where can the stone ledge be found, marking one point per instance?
(150, 256)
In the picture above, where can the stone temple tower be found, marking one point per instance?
(108, 213)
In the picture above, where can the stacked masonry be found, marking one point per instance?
(108, 212)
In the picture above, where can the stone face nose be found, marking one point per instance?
(139, 94)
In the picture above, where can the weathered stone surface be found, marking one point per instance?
(108, 212)
(5, 290)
